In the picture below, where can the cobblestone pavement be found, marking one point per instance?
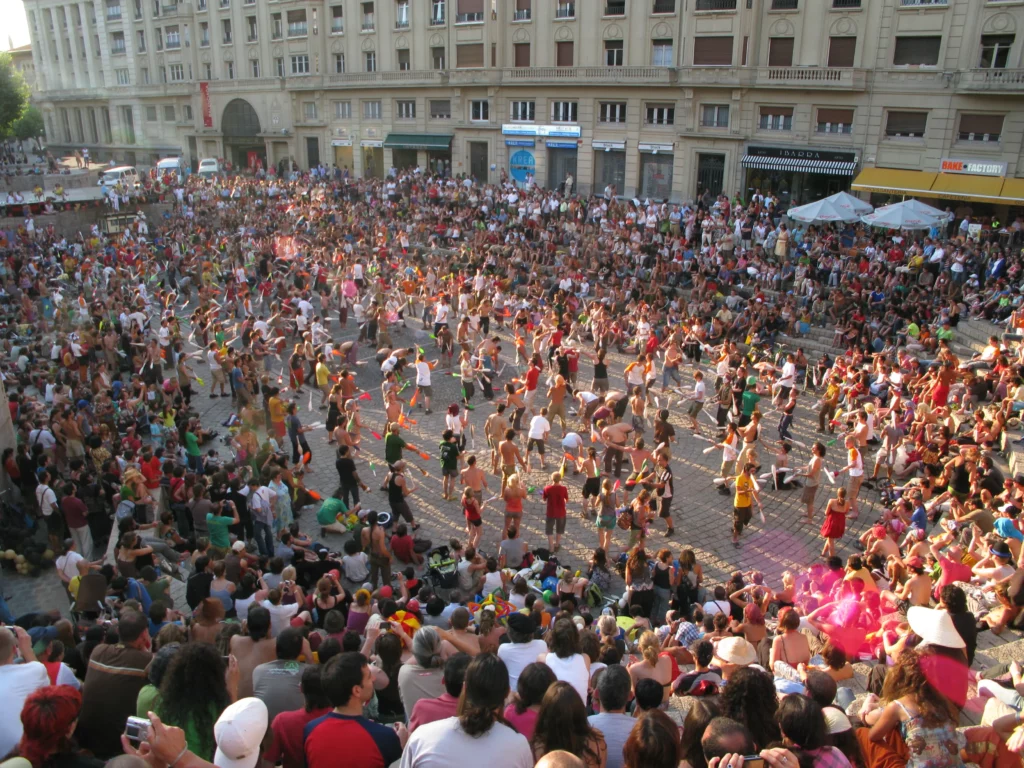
(703, 517)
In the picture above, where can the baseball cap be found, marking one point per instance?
(386, 591)
(239, 732)
(238, 546)
(413, 606)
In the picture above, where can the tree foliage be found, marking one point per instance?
(29, 125)
(13, 94)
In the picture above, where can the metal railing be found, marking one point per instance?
(469, 18)
(784, 5)
(524, 14)
(715, 5)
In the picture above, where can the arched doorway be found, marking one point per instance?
(241, 127)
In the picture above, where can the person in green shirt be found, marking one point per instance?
(749, 401)
(217, 527)
(394, 443)
(945, 333)
(330, 510)
(195, 456)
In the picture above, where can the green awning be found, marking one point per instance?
(418, 141)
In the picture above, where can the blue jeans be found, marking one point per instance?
(672, 371)
(264, 538)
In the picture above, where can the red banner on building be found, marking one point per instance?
(204, 90)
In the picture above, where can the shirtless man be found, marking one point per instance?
(494, 430)
(459, 638)
(510, 455)
(392, 408)
(812, 475)
(374, 542)
(613, 437)
(916, 591)
(474, 478)
(638, 456)
(253, 648)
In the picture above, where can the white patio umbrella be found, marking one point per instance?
(916, 206)
(846, 200)
(822, 212)
(902, 216)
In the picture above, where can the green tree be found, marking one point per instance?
(13, 94)
(29, 125)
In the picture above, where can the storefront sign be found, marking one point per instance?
(654, 148)
(371, 143)
(561, 145)
(520, 164)
(520, 142)
(514, 129)
(975, 167)
(204, 92)
(803, 153)
(608, 145)
(341, 142)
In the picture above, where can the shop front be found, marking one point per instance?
(609, 166)
(561, 143)
(343, 154)
(797, 175)
(522, 163)
(561, 163)
(976, 187)
(656, 161)
(373, 158)
(412, 150)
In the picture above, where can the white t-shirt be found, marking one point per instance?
(68, 564)
(211, 358)
(572, 441)
(539, 426)
(788, 377)
(441, 313)
(17, 681)
(423, 374)
(517, 656)
(711, 607)
(46, 499)
(443, 743)
(280, 616)
(572, 670)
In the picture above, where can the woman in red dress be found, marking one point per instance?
(835, 522)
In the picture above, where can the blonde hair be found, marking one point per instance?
(288, 574)
(513, 481)
(649, 646)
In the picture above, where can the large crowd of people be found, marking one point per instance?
(357, 641)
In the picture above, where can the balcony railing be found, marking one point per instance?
(118, 50)
(227, 39)
(615, 9)
(993, 80)
(173, 44)
(715, 5)
(784, 5)
(204, 42)
(337, 27)
(523, 14)
(114, 14)
(298, 29)
(368, 25)
(469, 18)
(846, 3)
(402, 23)
(566, 11)
(909, 3)
(811, 77)
(664, 6)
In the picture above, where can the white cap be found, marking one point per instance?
(239, 731)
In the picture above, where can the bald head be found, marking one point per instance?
(560, 759)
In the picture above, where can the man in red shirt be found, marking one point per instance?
(288, 727)
(444, 706)
(532, 378)
(403, 546)
(151, 470)
(556, 495)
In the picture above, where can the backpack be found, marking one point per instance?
(125, 509)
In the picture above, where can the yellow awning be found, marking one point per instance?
(894, 182)
(1013, 191)
(961, 186)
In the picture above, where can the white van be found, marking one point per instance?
(174, 165)
(122, 174)
(209, 168)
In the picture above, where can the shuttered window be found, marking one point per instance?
(980, 127)
(780, 52)
(835, 121)
(469, 55)
(906, 124)
(916, 51)
(712, 51)
(841, 51)
(471, 6)
(522, 54)
(563, 54)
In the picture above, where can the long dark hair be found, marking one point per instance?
(193, 690)
(701, 712)
(562, 724)
(750, 699)
(908, 678)
(534, 682)
(802, 723)
(483, 695)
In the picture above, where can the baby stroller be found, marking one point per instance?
(441, 568)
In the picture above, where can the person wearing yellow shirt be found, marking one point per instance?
(323, 379)
(743, 503)
(277, 413)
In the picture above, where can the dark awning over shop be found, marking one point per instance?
(428, 141)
